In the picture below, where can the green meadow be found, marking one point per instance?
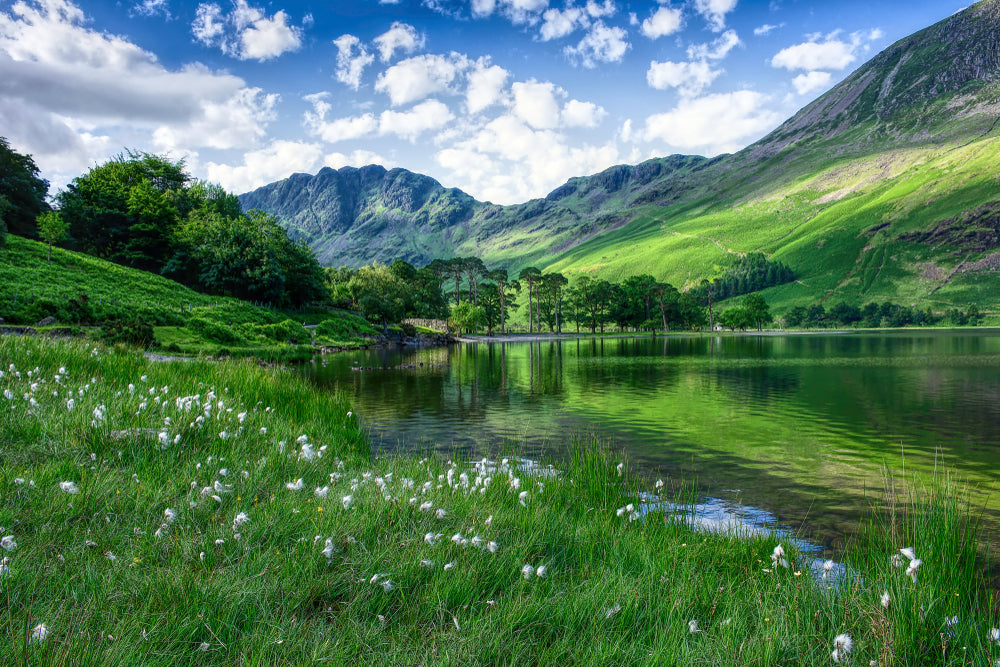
(223, 513)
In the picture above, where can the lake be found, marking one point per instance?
(798, 425)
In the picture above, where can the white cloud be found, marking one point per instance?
(352, 59)
(559, 23)
(712, 124)
(582, 114)
(276, 161)
(815, 55)
(665, 21)
(717, 50)
(482, 8)
(399, 37)
(535, 103)
(602, 43)
(522, 11)
(152, 8)
(246, 32)
(71, 95)
(597, 10)
(341, 129)
(486, 84)
(358, 158)
(766, 29)
(715, 12)
(811, 82)
(428, 115)
(416, 78)
(689, 78)
(506, 161)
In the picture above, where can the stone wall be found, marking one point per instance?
(434, 325)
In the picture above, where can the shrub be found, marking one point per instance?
(133, 332)
(216, 331)
(287, 331)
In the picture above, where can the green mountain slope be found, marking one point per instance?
(883, 188)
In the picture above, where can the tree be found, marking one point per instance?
(53, 229)
(505, 289)
(379, 294)
(473, 268)
(758, 312)
(530, 276)
(666, 297)
(4, 207)
(22, 189)
(467, 317)
(553, 284)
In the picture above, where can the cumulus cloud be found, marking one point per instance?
(715, 12)
(507, 161)
(399, 37)
(485, 86)
(664, 21)
(152, 8)
(340, 129)
(415, 78)
(358, 158)
(71, 95)
(602, 43)
(535, 103)
(275, 161)
(717, 49)
(766, 29)
(560, 23)
(811, 82)
(352, 59)
(712, 124)
(428, 115)
(689, 78)
(582, 114)
(815, 55)
(246, 33)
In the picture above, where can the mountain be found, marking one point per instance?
(883, 188)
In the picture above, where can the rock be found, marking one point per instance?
(48, 321)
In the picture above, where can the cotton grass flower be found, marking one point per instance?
(828, 566)
(4, 566)
(778, 557)
(329, 549)
(440, 513)
(39, 633)
(522, 498)
(527, 571)
(240, 520)
(8, 543)
(347, 501)
(541, 571)
(431, 539)
(842, 647)
(909, 553)
(885, 600)
(322, 491)
(297, 485)
(69, 487)
(693, 627)
(911, 570)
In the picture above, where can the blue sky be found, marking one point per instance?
(505, 99)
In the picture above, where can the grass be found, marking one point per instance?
(79, 289)
(209, 588)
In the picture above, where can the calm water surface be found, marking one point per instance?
(800, 426)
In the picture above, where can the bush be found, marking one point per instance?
(134, 332)
(287, 331)
(216, 331)
(345, 327)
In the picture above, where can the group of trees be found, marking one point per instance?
(873, 315)
(145, 211)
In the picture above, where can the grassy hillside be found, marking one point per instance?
(83, 291)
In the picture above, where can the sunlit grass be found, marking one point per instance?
(190, 539)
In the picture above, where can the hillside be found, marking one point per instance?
(882, 188)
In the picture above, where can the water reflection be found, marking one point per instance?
(798, 425)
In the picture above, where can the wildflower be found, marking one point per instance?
(778, 557)
(110, 556)
(842, 647)
(489, 520)
(347, 501)
(204, 646)
(432, 539)
(693, 627)
(492, 547)
(329, 549)
(611, 611)
(219, 542)
(540, 571)
(322, 491)
(911, 571)
(527, 571)
(426, 506)
(994, 633)
(897, 561)
(440, 513)
(885, 599)
(240, 519)
(457, 538)
(828, 566)
(659, 484)
(222, 488)
(522, 497)
(297, 485)
(428, 563)
(387, 585)
(449, 566)
(620, 468)
(4, 566)
(307, 452)
(8, 543)
(908, 552)
(39, 633)
(950, 623)
(69, 487)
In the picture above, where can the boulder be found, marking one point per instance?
(47, 322)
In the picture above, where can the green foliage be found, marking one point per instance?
(52, 229)
(379, 294)
(134, 332)
(217, 332)
(467, 317)
(22, 192)
(345, 327)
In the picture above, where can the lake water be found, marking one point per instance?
(800, 425)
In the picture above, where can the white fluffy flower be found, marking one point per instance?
(240, 519)
(8, 543)
(908, 552)
(911, 570)
(322, 491)
(885, 600)
(541, 571)
(842, 647)
(39, 633)
(527, 571)
(347, 501)
(431, 538)
(69, 487)
(297, 485)
(693, 626)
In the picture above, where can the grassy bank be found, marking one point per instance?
(81, 291)
(403, 559)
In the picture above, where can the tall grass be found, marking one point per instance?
(312, 577)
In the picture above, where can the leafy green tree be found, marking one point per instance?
(735, 318)
(467, 317)
(693, 314)
(757, 310)
(667, 298)
(530, 276)
(22, 189)
(505, 290)
(379, 294)
(53, 229)
(552, 285)
(4, 207)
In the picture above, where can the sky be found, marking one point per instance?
(505, 99)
